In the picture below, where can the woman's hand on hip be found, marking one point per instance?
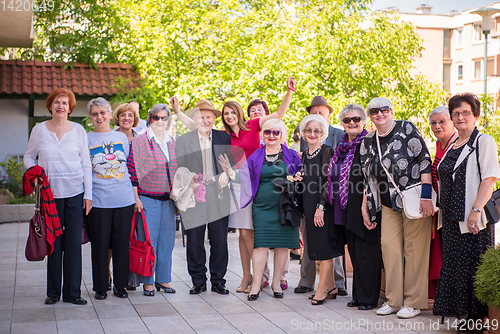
(318, 218)
(87, 205)
(426, 207)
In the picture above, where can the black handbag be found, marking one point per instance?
(492, 208)
(290, 207)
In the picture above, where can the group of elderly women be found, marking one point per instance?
(352, 195)
(105, 175)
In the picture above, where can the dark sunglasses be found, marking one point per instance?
(276, 133)
(157, 118)
(355, 119)
(384, 110)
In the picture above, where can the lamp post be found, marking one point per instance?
(486, 13)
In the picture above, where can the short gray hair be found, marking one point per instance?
(379, 102)
(439, 110)
(269, 124)
(354, 107)
(314, 118)
(100, 102)
(156, 109)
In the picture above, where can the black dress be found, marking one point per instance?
(319, 239)
(455, 289)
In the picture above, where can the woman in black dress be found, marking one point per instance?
(318, 216)
(467, 174)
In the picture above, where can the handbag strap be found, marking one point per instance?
(389, 175)
(38, 204)
(146, 231)
(477, 159)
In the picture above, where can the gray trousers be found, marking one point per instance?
(308, 267)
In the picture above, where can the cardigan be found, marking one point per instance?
(488, 159)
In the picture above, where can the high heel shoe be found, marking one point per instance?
(149, 293)
(242, 289)
(165, 289)
(253, 297)
(278, 295)
(318, 302)
(331, 295)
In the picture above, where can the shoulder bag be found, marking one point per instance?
(141, 254)
(411, 195)
(492, 208)
(36, 245)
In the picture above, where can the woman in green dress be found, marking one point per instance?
(272, 161)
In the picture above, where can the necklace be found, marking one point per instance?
(315, 153)
(457, 145)
(387, 132)
(272, 157)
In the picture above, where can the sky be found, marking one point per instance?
(438, 6)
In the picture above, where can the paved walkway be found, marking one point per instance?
(22, 292)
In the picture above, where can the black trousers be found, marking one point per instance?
(66, 258)
(105, 227)
(366, 259)
(217, 235)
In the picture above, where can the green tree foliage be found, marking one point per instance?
(245, 49)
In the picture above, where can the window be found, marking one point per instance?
(491, 67)
(446, 43)
(460, 37)
(460, 72)
(477, 32)
(477, 69)
(493, 27)
(446, 76)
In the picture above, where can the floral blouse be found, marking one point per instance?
(404, 154)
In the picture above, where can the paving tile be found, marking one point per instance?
(79, 327)
(194, 308)
(252, 323)
(45, 327)
(124, 325)
(155, 310)
(208, 322)
(231, 307)
(75, 313)
(41, 314)
(171, 324)
(115, 311)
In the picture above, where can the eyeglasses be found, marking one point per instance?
(443, 122)
(464, 113)
(157, 118)
(355, 119)
(316, 132)
(276, 133)
(384, 110)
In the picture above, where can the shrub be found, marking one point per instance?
(487, 282)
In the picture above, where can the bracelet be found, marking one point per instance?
(426, 191)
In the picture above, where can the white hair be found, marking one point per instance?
(316, 118)
(354, 107)
(100, 102)
(275, 123)
(379, 102)
(439, 110)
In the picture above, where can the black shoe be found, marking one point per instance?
(76, 301)
(342, 292)
(51, 300)
(165, 289)
(318, 301)
(278, 295)
(253, 297)
(302, 289)
(120, 293)
(366, 307)
(294, 256)
(131, 288)
(197, 288)
(353, 303)
(220, 288)
(100, 295)
(149, 293)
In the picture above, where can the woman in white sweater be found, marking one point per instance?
(62, 150)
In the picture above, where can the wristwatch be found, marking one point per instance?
(320, 206)
(476, 209)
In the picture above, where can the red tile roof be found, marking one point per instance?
(38, 77)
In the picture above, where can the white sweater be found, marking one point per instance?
(66, 162)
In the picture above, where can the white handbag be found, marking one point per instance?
(411, 195)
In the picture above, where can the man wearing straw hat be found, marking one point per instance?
(198, 151)
(320, 107)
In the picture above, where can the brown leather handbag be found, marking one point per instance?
(36, 245)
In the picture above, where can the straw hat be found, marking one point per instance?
(319, 101)
(203, 105)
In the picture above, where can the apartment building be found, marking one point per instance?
(454, 49)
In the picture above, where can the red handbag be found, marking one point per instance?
(141, 254)
(36, 245)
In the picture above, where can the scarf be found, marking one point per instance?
(48, 206)
(343, 147)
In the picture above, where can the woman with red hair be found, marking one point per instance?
(62, 150)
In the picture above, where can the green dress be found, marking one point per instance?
(268, 232)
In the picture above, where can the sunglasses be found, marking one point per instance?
(355, 119)
(276, 133)
(157, 118)
(384, 110)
